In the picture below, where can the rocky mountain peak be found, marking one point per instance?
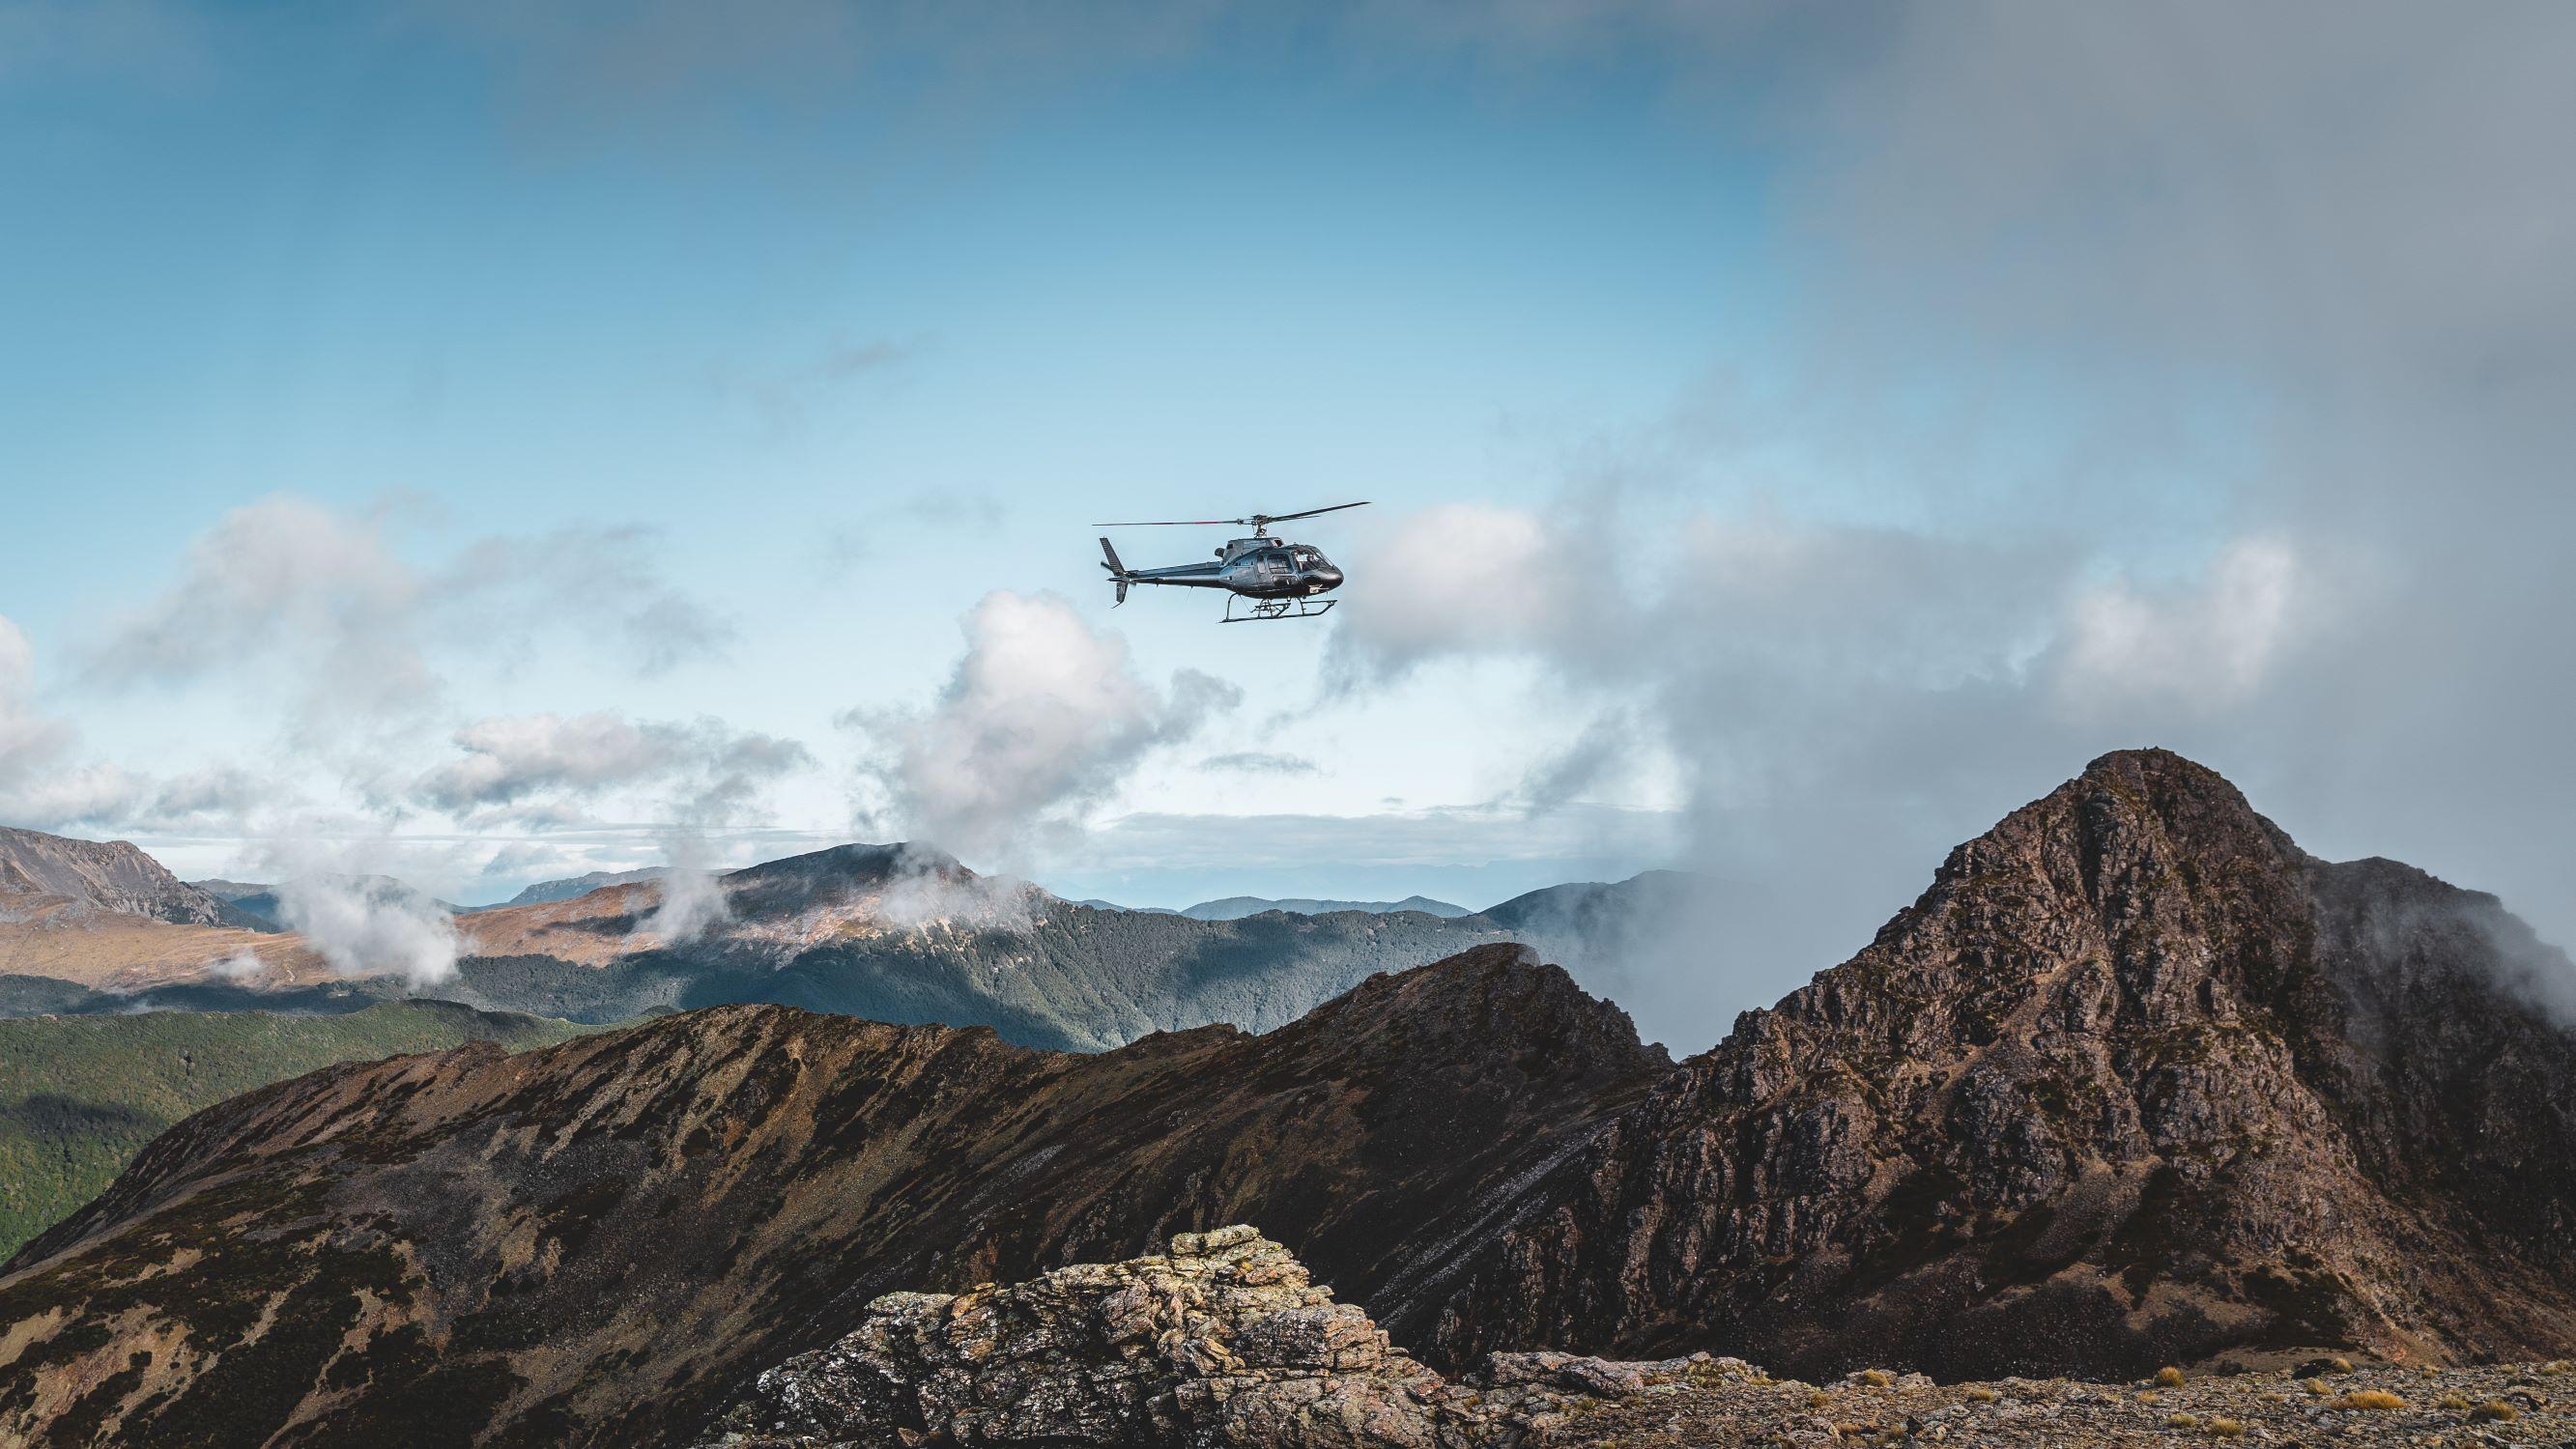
(2134, 1065)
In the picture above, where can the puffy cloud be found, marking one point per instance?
(284, 576)
(706, 774)
(328, 600)
(1472, 577)
(45, 784)
(1044, 716)
(691, 901)
(370, 926)
(508, 758)
(2211, 645)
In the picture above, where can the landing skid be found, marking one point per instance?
(1276, 609)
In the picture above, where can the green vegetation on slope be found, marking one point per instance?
(79, 1096)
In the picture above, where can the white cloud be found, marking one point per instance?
(46, 785)
(328, 602)
(370, 926)
(2206, 647)
(1043, 717)
(508, 758)
(1473, 577)
(690, 901)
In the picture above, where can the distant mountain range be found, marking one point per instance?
(564, 890)
(905, 934)
(1235, 908)
(893, 933)
(2135, 1082)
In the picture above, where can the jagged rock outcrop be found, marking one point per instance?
(2135, 1081)
(1223, 1341)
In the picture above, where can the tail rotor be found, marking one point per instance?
(1117, 571)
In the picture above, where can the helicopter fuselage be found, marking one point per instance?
(1256, 568)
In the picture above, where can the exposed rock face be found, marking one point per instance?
(1224, 1341)
(613, 1235)
(2135, 1081)
(110, 876)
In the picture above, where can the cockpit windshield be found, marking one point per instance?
(1308, 558)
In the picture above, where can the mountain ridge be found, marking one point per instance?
(758, 1174)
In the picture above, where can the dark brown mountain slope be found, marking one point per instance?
(595, 1243)
(2135, 1081)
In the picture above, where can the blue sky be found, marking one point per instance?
(856, 360)
(1785, 425)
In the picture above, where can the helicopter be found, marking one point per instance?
(1279, 578)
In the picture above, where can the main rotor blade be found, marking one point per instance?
(1311, 512)
(1260, 519)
